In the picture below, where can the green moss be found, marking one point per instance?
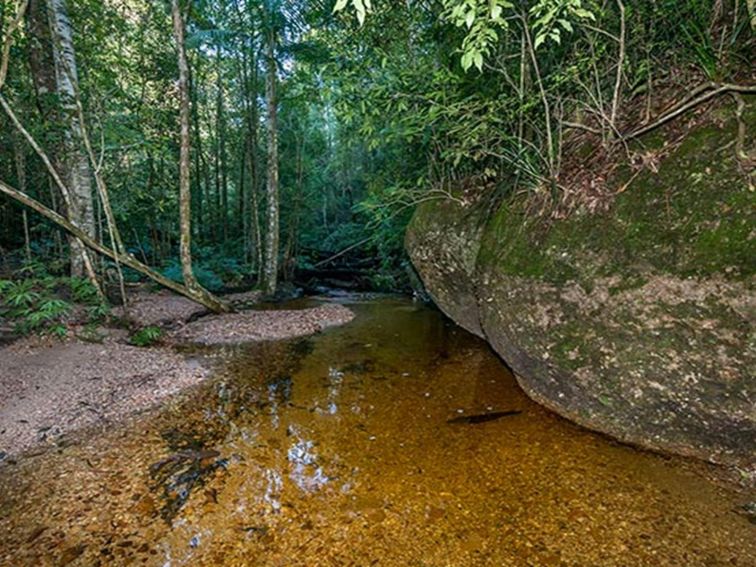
(569, 352)
(444, 214)
(694, 217)
(523, 245)
(632, 281)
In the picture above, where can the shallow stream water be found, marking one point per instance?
(337, 450)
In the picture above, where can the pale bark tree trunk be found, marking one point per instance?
(40, 58)
(270, 269)
(196, 179)
(185, 194)
(253, 236)
(203, 204)
(220, 138)
(291, 248)
(42, 69)
(73, 163)
(241, 203)
(256, 228)
(216, 157)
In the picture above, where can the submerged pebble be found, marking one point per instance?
(389, 483)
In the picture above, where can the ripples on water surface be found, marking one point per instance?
(335, 450)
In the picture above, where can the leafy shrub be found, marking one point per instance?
(383, 282)
(213, 268)
(82, 291)
(206, 277)
(39, 302)
(98, 312)
(228, 269)
(33, 305)
(146, 336)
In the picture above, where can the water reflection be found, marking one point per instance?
(305, 471)
(273, 488)
(336, 450)
(279, 392)
(335, 381)
(176, 476)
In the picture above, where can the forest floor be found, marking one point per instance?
(165, 309)
(249, 326)
(52, 387)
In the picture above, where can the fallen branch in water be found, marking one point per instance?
(482, 417)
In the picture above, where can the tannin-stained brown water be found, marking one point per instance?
(337, 450)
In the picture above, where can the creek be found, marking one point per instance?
(351, 447)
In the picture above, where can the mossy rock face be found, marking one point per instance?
(443, 241)
(637, 322)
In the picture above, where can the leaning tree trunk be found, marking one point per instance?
(74, 164)
(126, 259)
(185, 193)
(270, 269)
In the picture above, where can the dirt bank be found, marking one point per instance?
(166, 309)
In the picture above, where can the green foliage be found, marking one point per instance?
(695, 34)
(98, 312)
(481, 18)
(372, 121)
(32, 304)
(693, 217)
(485, 19)
(146, 336)
(39, 302)
(552, 17)
(82, 291)
(216, 268)
(205, 276)
(361, 7)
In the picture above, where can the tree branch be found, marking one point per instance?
(15, 23)
(720, 89)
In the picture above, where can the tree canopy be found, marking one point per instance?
(361, 110)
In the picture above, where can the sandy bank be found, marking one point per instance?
(50, 388)
(166, 309)
(262, 325)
